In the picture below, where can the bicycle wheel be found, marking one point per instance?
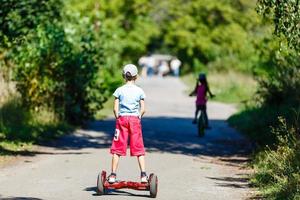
(201, 125)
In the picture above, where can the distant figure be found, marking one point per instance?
(163, 68)
(150, 65)
(143, 64)
(175, 66)
(201, 91)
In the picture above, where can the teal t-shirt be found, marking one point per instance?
(129, 96)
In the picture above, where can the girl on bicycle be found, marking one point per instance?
(201, 91)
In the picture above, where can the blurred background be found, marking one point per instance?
(60, 61)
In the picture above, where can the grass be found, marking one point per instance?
(256, 121)
(229, 87)
(277, 169)
(20, 128)
(107, 109)
(14, 147)
(276, 162)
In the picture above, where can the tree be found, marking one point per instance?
(59, 60)
(280, 86)
(18, 18)
(286, 17)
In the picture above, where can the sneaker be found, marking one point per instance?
(112, 178)
(144, 177)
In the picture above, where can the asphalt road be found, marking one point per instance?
(188, 167)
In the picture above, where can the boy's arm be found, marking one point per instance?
(142, 106)
(116, 108)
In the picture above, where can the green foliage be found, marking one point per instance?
(18, 18)
(22, 125)
(277, 72)
(278, 171)
(9, 148)
(107, 109)
(130, 21)
(39, 66)
(280, 81)
(286, 17)
(65, 63)
(68, 52)
(219, 34)
(255, 121)
(277, 168)
(281, 86)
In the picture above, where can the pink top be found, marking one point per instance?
(201, 95)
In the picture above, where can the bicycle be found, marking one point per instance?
(202, 120)
(201, 125)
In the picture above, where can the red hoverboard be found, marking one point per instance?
(103, 185)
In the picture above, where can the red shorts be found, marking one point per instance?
(128, 126)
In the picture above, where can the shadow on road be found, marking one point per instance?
(30, 153)
(235, 182)
(115, 192)
(20, 198)
(166, 135)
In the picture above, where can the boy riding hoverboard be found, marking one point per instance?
(129, 107)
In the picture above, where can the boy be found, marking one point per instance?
(129, 107)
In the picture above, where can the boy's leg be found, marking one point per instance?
(137, 146)
(144, 177)
(141, 160)
(114, 163)
(119, 146)
(119, 143)
(136, 137)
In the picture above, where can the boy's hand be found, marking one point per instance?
(142, 109)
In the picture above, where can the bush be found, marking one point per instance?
(278, 171)
(63, 64)
(19, 124)
(19, 18)
(281, 85)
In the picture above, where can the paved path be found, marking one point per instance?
(188, 167)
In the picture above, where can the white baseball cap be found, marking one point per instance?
(131, 68)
